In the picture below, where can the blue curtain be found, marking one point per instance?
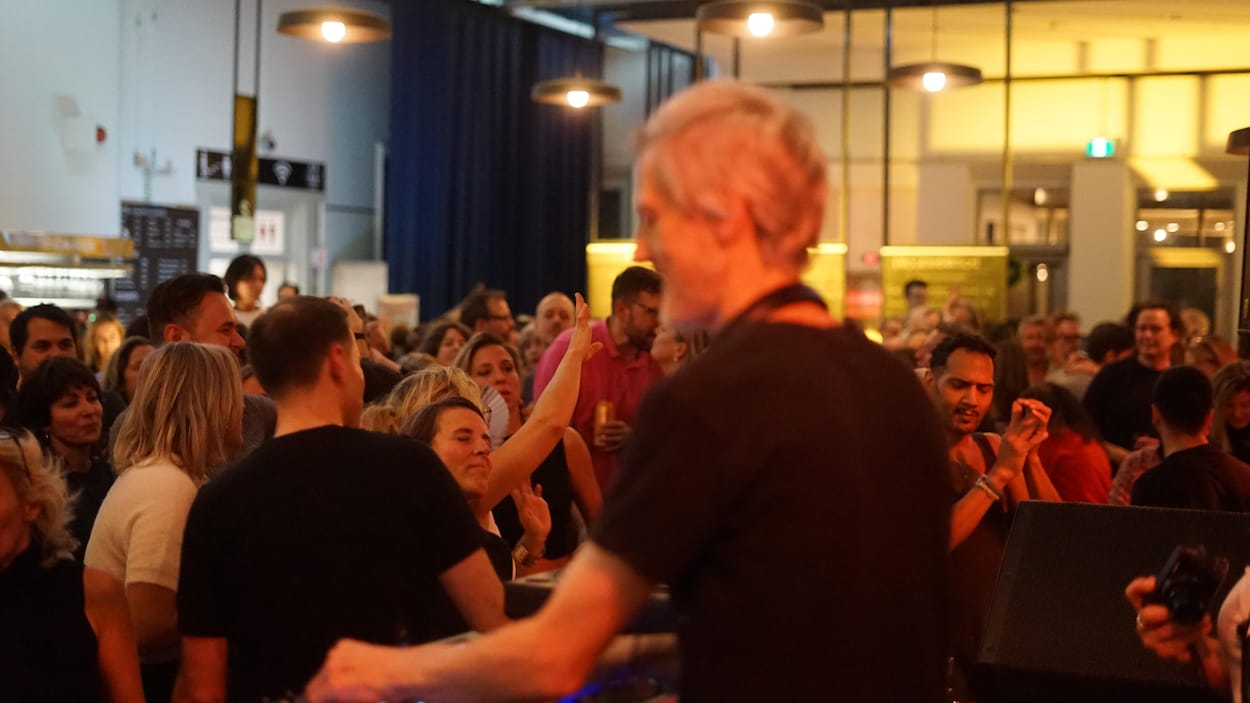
(483, 184)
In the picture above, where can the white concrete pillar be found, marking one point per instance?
(945, 204)
(1101, 251)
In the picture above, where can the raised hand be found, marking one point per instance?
(581, 342)
(534, 515)
(1025, 432)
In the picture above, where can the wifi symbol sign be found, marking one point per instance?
(282, 171)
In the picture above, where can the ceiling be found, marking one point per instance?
(1084, 36)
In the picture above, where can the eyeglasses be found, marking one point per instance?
(10, 434)
(655, 312)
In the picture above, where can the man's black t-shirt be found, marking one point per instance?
(791, 486)
(1199, 478)
(1119, 401)
(318, 535)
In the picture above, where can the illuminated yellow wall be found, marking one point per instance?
(1166, 116)
(606, 260)
(826, 272)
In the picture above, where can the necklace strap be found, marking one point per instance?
(785, 296)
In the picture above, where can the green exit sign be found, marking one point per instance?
(1100, 148)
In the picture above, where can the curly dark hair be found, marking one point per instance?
(974, 343)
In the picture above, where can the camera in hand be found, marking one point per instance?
(1188, 581)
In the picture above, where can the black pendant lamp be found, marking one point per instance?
(337, 25)
(761, 19)
(933, 76)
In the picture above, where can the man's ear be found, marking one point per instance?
(338, 360)
(927, 379)
(736, 223)
(175, 333)
(1156, 418)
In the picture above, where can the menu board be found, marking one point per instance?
(167, 241)
(979, 271)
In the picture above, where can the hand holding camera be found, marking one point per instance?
(1173, 618)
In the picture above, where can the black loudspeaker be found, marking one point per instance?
(1060, 629)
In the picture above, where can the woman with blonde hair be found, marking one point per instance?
(437, 382)
(121, 373)
(1230, 426)
(172, 440)
(66, 633)
(565, 474)
(102, 339)
(429, 385)
(527, 445)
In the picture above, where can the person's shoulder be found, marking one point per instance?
(259, 402)
(1169, 470)
(101, 590)
(155, 478)
(1120, 367)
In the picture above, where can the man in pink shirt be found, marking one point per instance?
(621, 373)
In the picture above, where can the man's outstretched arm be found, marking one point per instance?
(540, 658)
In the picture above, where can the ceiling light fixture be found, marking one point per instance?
(576, 92)
(337, 25)
(754, 20)
(933, 76)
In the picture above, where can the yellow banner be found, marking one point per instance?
(979, 271)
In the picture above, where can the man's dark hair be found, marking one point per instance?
(241, 267)
(1108, 338)
(8, 377)
(477, 306)
(913, 283)
(138, 327)
(288, 344)
(423, 424)
(19, 328)
(634, 280)
(1174, 314)
(172, 301)
(288, 284)
(973, 343)
(1183, 396)
(51, 380)
(379, 380)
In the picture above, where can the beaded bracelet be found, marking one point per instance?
(983, 483)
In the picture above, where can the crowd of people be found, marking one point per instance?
(223, 502)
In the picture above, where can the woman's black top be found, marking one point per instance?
(553, 476)
(48, 650)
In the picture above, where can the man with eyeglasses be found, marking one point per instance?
(487, 311)
(1069, 366)
(620, 374)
